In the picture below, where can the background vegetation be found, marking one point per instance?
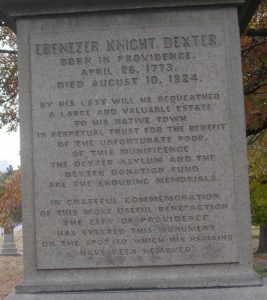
(254, 60)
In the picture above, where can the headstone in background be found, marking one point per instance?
(133, 150)
(8, 247)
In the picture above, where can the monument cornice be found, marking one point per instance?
(17, 8)
(23, 8)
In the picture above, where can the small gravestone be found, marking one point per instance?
(133, 151)
(8, 247)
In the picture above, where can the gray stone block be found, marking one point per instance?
(251, 293)
(18, 8)
(133, 152)
(76, 62)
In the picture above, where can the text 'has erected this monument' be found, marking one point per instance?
(133, 148)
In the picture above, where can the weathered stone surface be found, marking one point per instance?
(179, 216)
(137, 127)
(18, 8)
(133, 150)
(249, 293)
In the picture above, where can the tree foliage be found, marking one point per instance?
(10, 200)
(8, 79)
(258, 180)
(254, 60)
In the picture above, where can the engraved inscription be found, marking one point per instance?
(132, 148)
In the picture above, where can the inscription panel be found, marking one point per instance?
(132, 148)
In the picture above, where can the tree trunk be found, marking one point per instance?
(262, 239)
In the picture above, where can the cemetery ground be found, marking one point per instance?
(11, 267)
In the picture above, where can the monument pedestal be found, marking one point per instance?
(240, 293)
(133, 151)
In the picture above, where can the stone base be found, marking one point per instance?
(245, 293)
(5, 252)
(9, 249)
(9, 254)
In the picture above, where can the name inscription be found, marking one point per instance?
(132, 148)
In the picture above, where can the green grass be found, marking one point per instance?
(262, 272)
(261, 255)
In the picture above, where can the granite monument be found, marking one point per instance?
(133, 150)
